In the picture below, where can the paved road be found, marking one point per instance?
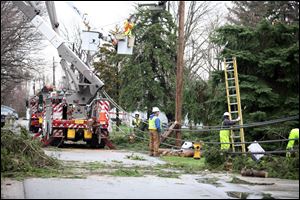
(105, 156)
(148, 187)
(201, 186)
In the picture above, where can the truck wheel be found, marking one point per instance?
(102, 144)
(94, 141)
(57, 142)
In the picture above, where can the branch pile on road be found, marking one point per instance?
(20, 153)
(273, 166)
(277, 166)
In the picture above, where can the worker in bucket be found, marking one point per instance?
(294, 135)
(154, 130)
(225, 132)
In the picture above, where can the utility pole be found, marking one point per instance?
(33, 87)
(179, 73)
(53, 72)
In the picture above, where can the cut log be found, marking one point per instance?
(171, 152)
(254, 173)
(187, 153)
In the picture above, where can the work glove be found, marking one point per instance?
(238, 119)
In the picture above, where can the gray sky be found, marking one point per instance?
(103, 17)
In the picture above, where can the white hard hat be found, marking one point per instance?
(226, 114)
(155, 109)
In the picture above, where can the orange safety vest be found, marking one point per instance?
(102, 117)
(128, 27)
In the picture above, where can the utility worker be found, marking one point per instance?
(225, 133)
(128, 25)
(294, 134)
(154, 129)
(136, 122)
(103, 119)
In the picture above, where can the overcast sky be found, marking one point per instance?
(103, 17)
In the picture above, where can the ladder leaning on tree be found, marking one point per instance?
(234, 101)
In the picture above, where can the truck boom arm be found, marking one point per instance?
(32, 13)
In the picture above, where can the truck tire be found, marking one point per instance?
(102, 144)
(57, 142)
(94, 141)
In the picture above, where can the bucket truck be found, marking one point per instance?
(75, 113)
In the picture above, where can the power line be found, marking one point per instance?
(265, 152)
(254, 124)
(114, 23)
(217, 143)
(146, 139)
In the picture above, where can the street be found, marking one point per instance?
(203, 185)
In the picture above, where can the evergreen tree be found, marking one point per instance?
(268, 67)
(148, 78)
(107, 69)
(250, 13)
(194, 95)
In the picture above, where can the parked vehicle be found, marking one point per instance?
(8, 112)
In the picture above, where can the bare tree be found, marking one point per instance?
(200, 54)
(73, 39)
(16, 98)
(20, 43)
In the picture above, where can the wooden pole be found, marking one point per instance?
(179, 79)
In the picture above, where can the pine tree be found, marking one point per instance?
(268, 66)
(148, 79)
(250, 13)
(108, 68)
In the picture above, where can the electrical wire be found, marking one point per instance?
(146, 139)
(218, 143)
(265, 152)
(213, 128)
(254, 124)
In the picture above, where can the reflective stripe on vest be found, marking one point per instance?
(137, 122)
(152, 123)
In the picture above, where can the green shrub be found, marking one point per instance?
(213, 157)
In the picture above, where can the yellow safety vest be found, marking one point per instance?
(152, 123)
(294, 134)
(136, 122)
